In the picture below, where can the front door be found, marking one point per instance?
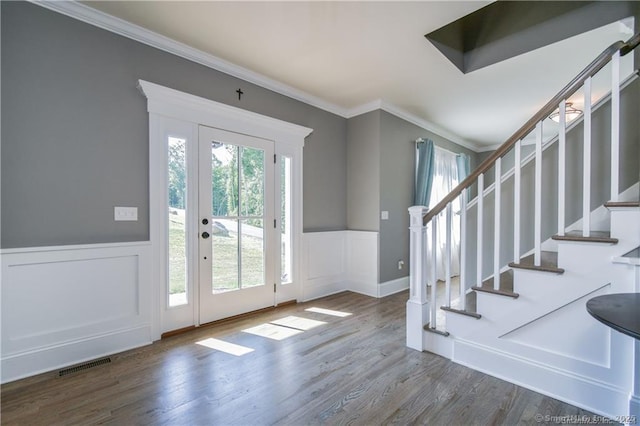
(236, 224)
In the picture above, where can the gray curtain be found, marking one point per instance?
(462, 161)
(424, 172)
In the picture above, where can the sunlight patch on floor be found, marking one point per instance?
(298, 323)
(272, 331)
(221, 345)
(329, 312)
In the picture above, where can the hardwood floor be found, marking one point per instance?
(349, 370)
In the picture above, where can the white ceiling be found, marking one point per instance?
(354, 54)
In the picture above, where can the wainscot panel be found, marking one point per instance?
(69, 304)
(336, 261)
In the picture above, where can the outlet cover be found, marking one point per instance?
(125, 213)
(384, 215)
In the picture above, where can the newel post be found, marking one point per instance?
(417, 305)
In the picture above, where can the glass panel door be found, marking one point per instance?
(236, 224)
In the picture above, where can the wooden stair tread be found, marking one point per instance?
(595, 237)
(470, 305)
(505, 289)
(548, 263)
(435, 330)
(622, 204)
(461, 312)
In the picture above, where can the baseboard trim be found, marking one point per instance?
(43, 360)
(312, 292)
(388, 288)
(367, 288)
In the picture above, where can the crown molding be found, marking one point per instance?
(124, 28)
(413, 119)
(134, 32)
(490, 148)
(364, 108)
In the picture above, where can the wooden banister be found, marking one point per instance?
(551, 106)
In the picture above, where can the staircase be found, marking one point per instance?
(518, 312)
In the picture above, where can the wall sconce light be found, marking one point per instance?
(571, 113)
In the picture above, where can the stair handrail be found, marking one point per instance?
(589, 71)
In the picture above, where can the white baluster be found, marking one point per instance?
(497, 193)
(615, 125)
(562, 140)
(479, 248)
(434, 268)
(537, 203)
(447, 268)
(586, 175)
(516, 202)
(463, 248)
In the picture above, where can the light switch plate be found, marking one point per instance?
(125, 213)
(384, 215)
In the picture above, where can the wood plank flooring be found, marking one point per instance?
(349, 370)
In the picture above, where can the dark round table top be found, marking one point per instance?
(619, 311)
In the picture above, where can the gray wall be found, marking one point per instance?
(363, 172)
(75, 131)
(397, 176)
(389, 185)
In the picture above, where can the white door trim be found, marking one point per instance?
(164, 102)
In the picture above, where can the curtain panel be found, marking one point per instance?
(424, 172)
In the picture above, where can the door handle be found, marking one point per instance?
(205, 235)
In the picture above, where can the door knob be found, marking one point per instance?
(205, 221)
(205, 235)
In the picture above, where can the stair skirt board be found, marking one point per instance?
(590, 394)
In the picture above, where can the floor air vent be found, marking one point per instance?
(84, 366)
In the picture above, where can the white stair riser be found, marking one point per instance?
(577, 256)
(535, 284)
(625, 223)
(488, 302)
(539, 286)
(458, 324)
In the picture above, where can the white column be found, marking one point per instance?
(417, 305)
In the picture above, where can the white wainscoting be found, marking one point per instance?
(324, 264)
(336, 261)
(69, 304)
(362, 262)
